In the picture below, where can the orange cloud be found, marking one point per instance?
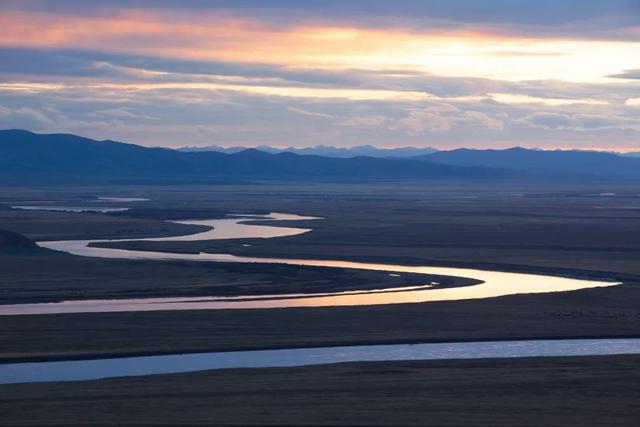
(216, 36)
(212, 36)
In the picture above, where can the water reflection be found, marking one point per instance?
(70, 209)
(495, 283)
(236, 228)
(151, 365)
(123, 199)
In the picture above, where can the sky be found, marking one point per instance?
(444, 73)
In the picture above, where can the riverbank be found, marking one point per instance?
(62, 277)
(96, 369)
(568, 226)
(567, 391)
(569, 231)
(598, 312)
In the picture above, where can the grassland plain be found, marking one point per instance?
(65, 277)
(582, 231)
(570, 391)
(586, 231)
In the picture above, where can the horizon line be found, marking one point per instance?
(378, 147)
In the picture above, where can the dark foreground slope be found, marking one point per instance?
(11, 242)
(571, 391)
(27, 157)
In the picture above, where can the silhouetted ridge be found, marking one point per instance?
(326, 150)
(31, 158)
(570, 162)
(26, 157)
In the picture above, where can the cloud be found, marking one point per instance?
(90, 67)
(132, 68)
(580, 122)
(495, 73)
(443, 117)
(304, 112)
(214, 41)
(541, 12)
(20, 61)
(24, 118)
(192, 117)
(421, 121)
(120, 114)
(628, 74)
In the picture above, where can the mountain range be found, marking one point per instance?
(542, 161)
(27, 157)
(325, 150)
(30, 158)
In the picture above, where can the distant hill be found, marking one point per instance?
(11, 242)
(29, 158)
(635, 154)
(34, 159)
(567, 162)
(220, 149)
(325, 150)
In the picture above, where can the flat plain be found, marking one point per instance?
(567, 391)
(578, 230)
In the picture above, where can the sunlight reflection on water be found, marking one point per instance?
(495, 283)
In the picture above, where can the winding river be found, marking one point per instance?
(78, 370)
(494, 283)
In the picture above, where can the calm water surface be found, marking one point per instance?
(123, 199)
(494, 284)
(71, 208)
(37, 207)
(132, 366)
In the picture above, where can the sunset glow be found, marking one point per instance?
(365, 78)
